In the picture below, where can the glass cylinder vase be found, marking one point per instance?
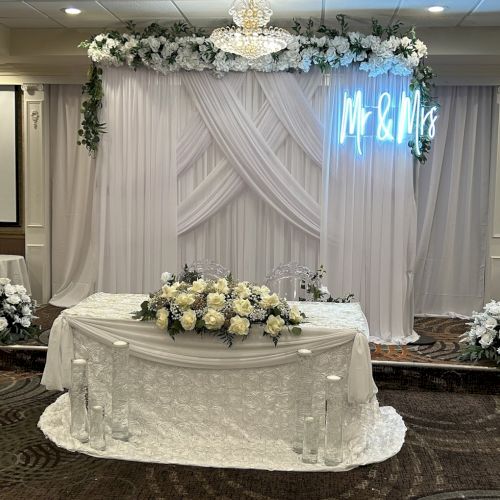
(78, 400)
(97, 431)
(119, 391)
(304, 395)
(311, 440)
(333, 421)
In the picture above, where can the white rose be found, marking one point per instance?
(261, 290)
(490, 322)
(162, 318)
(242, 307)
(405, 41)
(3, 324)
(26, 299)
(188, 320)
(487, 339)
(170, 291)
(26, 311)
(274, 325)
(198, 286)
(25, 322)
(221, 285)
(269, 301)
(295, 316)
(213, 319)
(166, 277)
(239, 325)
(9, 290)
(184, 300)
(216, 300)
(421, 48)
(242, 290)
(13, 299)
(4, 281)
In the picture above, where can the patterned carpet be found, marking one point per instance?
(452, 451)
(444, 332)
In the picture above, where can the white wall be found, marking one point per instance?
(8, 202)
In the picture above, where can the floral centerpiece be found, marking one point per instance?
(221, 307)
(16, 313)
(483, 338)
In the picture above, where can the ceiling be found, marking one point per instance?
(102, 14)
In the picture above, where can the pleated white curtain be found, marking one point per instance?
(453, 191)
(136, 191)
(369, 214)
(72, 184)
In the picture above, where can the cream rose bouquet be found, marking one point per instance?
(16, 313)
(483, 338)
(222, 307)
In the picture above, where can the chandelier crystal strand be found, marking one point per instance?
(250, 38)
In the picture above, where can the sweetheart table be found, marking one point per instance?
(194, 401)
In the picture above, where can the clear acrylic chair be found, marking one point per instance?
(290, 281)
(209, 269)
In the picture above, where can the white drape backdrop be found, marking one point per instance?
(136, 205)
(72, 185)
(369, 214)
(231, 170)
(453, 204)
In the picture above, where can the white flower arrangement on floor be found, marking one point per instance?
(16, 313)
(220, 307)
(483, 339)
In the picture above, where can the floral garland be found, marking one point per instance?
(483, 339)
(16, 313)
(221, 307)
(179, 47)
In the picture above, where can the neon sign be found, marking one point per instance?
(385, 121)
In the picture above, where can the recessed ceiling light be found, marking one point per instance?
(436, 8)
(72, 11)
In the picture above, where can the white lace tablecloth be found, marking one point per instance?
(194, 401)
(14, 268)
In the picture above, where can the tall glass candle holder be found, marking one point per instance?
(78, 400)
(333, 421)
(311, 440)
(119, 391)
(96, 424)
(304, 395)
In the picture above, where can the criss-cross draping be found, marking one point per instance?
(249, 153)
(224, 183)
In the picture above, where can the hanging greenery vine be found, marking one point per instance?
(91, 130)
(180, 47)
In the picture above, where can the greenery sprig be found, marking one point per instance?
(92, 128)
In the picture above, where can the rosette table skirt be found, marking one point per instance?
(193, 401)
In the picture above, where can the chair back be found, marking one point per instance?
(290, 281)
(209, 269)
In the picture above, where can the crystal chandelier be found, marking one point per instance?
(250, 38)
